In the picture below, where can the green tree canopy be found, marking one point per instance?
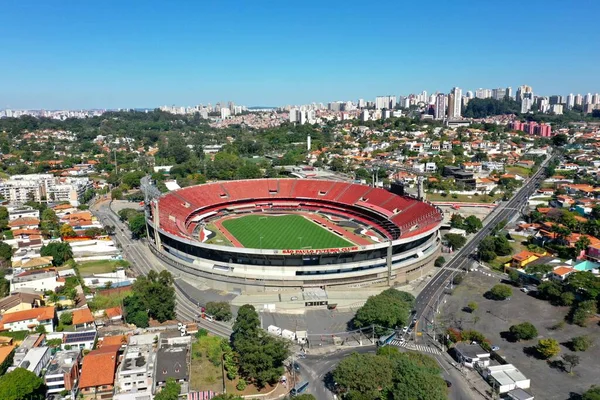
(153, 295)
(548, 348)
(221, 310)
(170, 391)
(260, 355)
(137, 226)
(523, 331)
(60, 251)
(389, 309)
(21, 384)
(500, 292)
(455, 240)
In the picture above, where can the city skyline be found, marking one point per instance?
(138, 55)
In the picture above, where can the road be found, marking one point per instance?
(142, 261)
(429, 296)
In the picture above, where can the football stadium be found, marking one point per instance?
(271, 234)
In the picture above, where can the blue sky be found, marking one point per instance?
(79, 54)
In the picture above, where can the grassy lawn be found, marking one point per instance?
(463, 198)
(515, 170)
(96, 267)
(205, 375)
(219, 238)
(282, 232)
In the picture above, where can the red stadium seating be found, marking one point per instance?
(408, 215)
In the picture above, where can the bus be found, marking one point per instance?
(299, 388)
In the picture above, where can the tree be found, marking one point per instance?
(581, 343)
(67, 230)
(523, 331)
(137, 226)
(472, 224)
(502, 246)
(260, 355)
(457, 221)
(60, 252)
(439, 262)
(21, 384)
(170, 391)
(582, 243)
(500, 292)
(487, 249)
(66, 318)
(456, 241)
(560, 140)
(389, 309)
(365, 374)
(592, 394)
(547, 348)
(6, 252)
(472, 306)
(572, 360)
(514, 275)
(154, 295)
(221, 310)
(583, 312)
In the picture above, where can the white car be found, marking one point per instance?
(524, 290)
(405, 329)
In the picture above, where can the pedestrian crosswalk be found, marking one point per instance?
(415, 347)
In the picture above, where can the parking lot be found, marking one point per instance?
(494, 317)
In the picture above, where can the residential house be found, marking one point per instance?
(561, 273)
(98, 373)
(62, 372)
(471, 354)
(38, 280)
(523, 258)
(134, 379)
(171, 362)
(7, 353)
(30, 342)
(33, 263)
(19, 301)
(28, 320)
(474, 167)
(36, 360)
(15, 213)
(83, 319)
(525, 163)
(24, 223)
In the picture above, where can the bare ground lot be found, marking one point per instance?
(493, 317)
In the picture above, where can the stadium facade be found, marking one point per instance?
(404, 234)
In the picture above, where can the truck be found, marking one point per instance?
(287, 334)
(274, 330)
(301, 337)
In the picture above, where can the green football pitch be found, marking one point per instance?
(282, 232)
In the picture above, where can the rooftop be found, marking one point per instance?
(41, 314)
(472, 350)
(98, 367)
(82, 316)
(63, 362)
(171, 362)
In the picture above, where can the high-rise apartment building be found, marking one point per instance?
(499, 93)
(570, 101)
(483, 93)
(578, 100)
(387, 102)
(455, 103)
(440, 106)
(524, 91)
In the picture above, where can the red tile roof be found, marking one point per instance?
(41, 314)
(82, 316)
(113, 312)
(98, 367)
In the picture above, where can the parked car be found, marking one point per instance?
(495, 348)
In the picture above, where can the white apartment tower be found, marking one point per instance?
(455, 103)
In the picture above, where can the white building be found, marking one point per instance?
(44, 188)
(506, 377)
(36, 360)
(62, 372)
(37, 280)
(570, 101)
(22, 212)
(28, 320)
(134, 376)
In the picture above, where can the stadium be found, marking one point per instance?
(271, 234)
